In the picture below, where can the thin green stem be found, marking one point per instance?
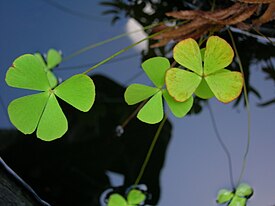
(247, 109)
(124, 50)
(87, 48)
(147, 158)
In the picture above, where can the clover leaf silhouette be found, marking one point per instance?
(134, 197)
(41, 111)
(236, 198)
(205, 80)
(152, 111)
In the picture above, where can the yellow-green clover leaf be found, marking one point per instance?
(236, 198)
(42, 111)
(152, 111)
(205, 80)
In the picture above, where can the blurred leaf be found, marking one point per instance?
(244, 190)
(135, 197)
(116, 200)
(224, 196)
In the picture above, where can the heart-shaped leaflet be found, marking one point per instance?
(210, 79)
(41, 111)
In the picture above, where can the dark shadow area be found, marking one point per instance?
(72, 169)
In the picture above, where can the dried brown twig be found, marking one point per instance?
(202, 22)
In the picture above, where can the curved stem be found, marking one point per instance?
(247, 109)
(147, 158)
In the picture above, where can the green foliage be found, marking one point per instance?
(135, 197)
(152, 111)
(210, 79)
(237, 198)
(42, 111)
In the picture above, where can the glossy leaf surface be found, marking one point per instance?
(218, 55)
(135, 197)
(179, 109)
(53, 123)
(78, 91)
(187, 53)
(181, 84)
(116, 200)
(152, 111)
(155, 69)
(27, 72)
(226, 85)
(25, 112)
(224, 196)
(136, 93)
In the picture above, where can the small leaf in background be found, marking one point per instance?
(244, 190)
(238, 201)
(135, 197)
(224, 196)
(116, 200)
(155, 69)
(53, 58)
(181, 84)
(136, 93)
(152, 111)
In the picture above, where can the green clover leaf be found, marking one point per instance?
(134, 197)
(224, 196)
(238, 198)
(244, 190)
(117, 200)
(42, 111)
(152, 111)
(205, 80)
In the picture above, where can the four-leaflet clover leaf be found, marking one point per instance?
(205, 79)
(237, 198)
(41, 111)
(152, 111)
(135, 197)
